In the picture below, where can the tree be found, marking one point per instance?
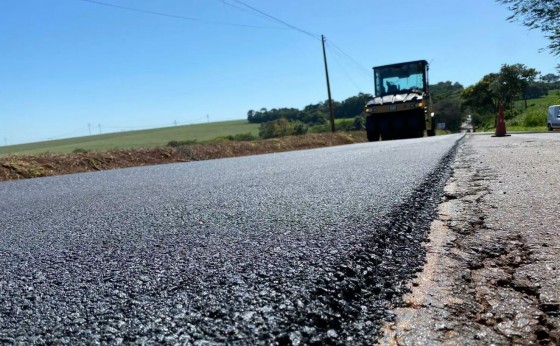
(250, 115)
(538, 14)
(281, 127)
(352, 106)
(480, 97)
(481, 100)
(448, 111)
(447, 104)
(550, 78)
(536, 90)
(314, 114)
(512, 82)
(444, 90)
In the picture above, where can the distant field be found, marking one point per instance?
(136, 139)
(552, 98)
(532, 118)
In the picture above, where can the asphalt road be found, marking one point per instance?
(301, 247)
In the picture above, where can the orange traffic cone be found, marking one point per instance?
(501, 125)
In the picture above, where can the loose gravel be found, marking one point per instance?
(309, 247)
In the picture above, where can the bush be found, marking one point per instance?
(299, 128)
(355, 124)
(344, 125)
(484, 121)
(243, 137)
(535, 116)
(510, 114)
(359, 123)
(320, 128)
(532, 120)
(281, 127)
(180, 143)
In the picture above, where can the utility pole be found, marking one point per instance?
(328, 84)
(207, 118)
(89, 128)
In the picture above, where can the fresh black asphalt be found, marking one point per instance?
(307, 247)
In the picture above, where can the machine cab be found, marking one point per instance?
(403, 78)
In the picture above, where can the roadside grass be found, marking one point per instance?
(552, 98)
(532, 118)
(519, 128)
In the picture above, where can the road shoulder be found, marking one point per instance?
(492, 270)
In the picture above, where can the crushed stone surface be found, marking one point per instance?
(308, 247)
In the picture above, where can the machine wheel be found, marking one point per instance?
(549, 127)
(414, 128)
(372, 129)
(385, 129)
(431, 133)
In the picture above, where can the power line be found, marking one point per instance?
(344, 70)
(243, 9)
(192, 19)
(358, 65)
(317, 37)
(339, 55)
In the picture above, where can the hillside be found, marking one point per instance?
(135, 139)
(532, 118)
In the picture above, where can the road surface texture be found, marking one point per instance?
(308, 247)
(492, 275)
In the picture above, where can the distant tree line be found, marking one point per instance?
(446, 98)
(314, 117)
(451, 102)
(313, 114)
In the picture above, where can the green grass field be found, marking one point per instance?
(552, 98)
(533, 118)
(136, 139)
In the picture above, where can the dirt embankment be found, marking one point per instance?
(16, 167)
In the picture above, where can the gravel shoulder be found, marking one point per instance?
(493, 262)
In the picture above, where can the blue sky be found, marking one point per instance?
(65, 64)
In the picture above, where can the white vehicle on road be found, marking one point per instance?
(553, 118)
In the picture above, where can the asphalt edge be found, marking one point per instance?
(375, 274)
